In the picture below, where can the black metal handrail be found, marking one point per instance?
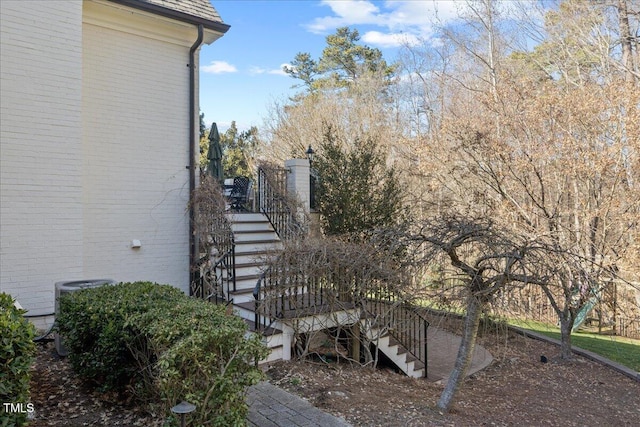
(404, 323)
(275, 203)
(216, 280)
(215, 271)
(284, 291)
(263, 317)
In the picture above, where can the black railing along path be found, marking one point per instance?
(404, 323)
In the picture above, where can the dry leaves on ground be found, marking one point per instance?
(515, 390)
(61, 399)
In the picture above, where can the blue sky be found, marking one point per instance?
(241, 73)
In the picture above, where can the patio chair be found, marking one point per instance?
(239, 196)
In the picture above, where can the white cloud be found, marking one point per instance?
(424, 13)
(256, 70)
(276, 71)
(400, 21)
(280, 71)
(346, 12)
(354, 10)
(219, 67)
(377, 38)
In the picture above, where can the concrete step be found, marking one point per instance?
(247, 280)
(399, 355)
(254, 257)
(273, 338)
(252, 269)
(395, 343)
(266, 245)
(248, 262)
(270, 331)
(276, 354)
(242, 295)
(256, 242)
(254, 235)
(245, 311)
(240, 217)
(251, 226)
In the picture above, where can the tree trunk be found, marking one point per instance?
(626, 41)
(465, 353)
(566, 324)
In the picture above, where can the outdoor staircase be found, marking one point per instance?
(255, 241)
(398, 354)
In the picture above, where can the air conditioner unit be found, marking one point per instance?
(66, 287)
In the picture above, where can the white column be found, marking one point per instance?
(287, 342)
(298, 181)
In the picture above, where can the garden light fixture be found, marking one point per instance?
(310, 154)
(183, 408)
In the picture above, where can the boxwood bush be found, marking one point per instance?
(17, 351)
(92, 323)
(164, 345)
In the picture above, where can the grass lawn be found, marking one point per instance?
(625, 351)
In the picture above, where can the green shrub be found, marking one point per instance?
(357, 191)
(168, 347)
(204, 357)
(92, 322)
(17, 351)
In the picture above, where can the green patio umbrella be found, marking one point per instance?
(215, 155)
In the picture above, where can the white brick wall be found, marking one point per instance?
(40, 149)
(94, 147)
(135, 150)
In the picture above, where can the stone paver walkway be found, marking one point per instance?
(270, 406)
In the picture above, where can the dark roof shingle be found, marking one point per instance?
(193, 11)
(197, 8)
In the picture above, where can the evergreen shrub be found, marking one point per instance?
(17, 352)
(165, 346)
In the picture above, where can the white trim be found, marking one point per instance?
(121, 18)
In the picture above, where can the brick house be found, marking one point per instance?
(99, 113)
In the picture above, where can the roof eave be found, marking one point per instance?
(216, 26)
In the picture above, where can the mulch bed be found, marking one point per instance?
(515, 390)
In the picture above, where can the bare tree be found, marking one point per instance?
(548, 148)
(558, 171)
(485, 258)
(332, 284)
(214, 238)
(628, 42)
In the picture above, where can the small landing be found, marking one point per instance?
(442, 353)
(267, 332)
(293, 313)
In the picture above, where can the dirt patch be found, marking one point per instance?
(61, 399)
(516, 389)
